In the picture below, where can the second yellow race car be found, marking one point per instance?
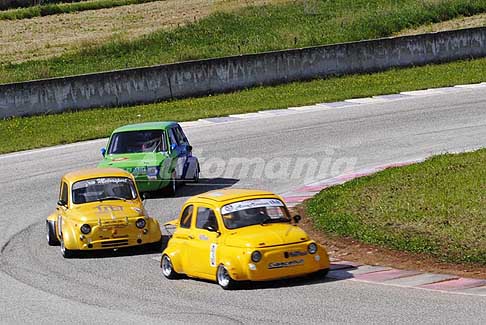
(235, 235)
(100, 208)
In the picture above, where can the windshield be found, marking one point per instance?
(103, 188)
(253, 212)
(137, 141)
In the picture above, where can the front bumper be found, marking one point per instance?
(118, 237)
(282, 262)
(118, 242)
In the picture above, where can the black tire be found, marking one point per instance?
(157, 246)
(321, 274)
(196, 175)
(171, 189)
(51, 233)
(224, 279)
(66, 253)
(167, 268)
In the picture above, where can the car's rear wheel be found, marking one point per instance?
(167, 268)
(224, 279)
(66, 253)
(51, 234)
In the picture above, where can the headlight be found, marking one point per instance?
(312, 248)
(256, 256)
(140, 223)
(153, 171)
(85, 229)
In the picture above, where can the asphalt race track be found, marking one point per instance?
(39, 286)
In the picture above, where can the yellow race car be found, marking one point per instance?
(100, 208)
(237, 235)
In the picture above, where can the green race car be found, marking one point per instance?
(158, 154)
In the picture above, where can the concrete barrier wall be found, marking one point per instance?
(197, 78)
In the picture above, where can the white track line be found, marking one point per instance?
(272, 113)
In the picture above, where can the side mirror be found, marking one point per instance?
(61, 203)
(144, 196)
(211, 228)
(103, 151)
(297, 218)
(173, 146)
(189, 148)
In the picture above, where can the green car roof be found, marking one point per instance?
(145, 126)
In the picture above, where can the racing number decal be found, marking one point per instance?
(212, 255)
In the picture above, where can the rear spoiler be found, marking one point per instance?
(173, 223)
(170, 226)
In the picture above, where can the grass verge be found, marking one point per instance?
(64, 8)
(251, 30)
(436, 208)
(40, 131)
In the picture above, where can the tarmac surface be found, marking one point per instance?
(39, 286)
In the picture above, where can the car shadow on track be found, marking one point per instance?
(338, 272)
(190, 188)
(312, 279)
(147, 249)
(288, 282)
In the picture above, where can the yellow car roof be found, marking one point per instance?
(232, 194)
(95, 173)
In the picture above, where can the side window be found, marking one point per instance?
(181, 137)
(186, 217)
(163, 144)
(64, 193)
(206, 217)
(172, 137)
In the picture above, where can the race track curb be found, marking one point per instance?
(345, 270)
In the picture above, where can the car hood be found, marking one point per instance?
(133, 160)
(106, 211)
(272, 234)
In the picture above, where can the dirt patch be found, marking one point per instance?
(458, 23)
(352, 250)
(44, 37)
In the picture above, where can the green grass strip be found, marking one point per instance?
(251, 30)
(63, 8)
(40, 131)
(436, 208)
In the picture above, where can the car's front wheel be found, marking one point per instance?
(224, 279)
(196, 174)
(167, 268)
(321, 274)
(66, 253)
(51, 234)
(157, 246)
(172, 187)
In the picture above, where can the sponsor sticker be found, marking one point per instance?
(279, 265)
(248, 204)
(139, 171)
(212, 255)
(105, 208)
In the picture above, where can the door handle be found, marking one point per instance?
(190, 237)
